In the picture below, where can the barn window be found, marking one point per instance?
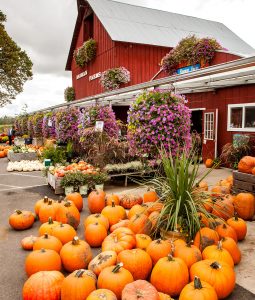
(209, 126)
(241, 117)
(88, 27)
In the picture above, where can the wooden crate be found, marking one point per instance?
(54, 182)
(243, 182)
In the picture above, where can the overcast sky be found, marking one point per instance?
(44, 29)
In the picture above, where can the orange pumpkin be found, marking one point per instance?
(64, 232)
(119, 240)
(239, 225)
(218, 191)
(28, 242)
(158, 249)
(47, 210)
(130, 200)
(97, 218)
(114, 278)
(231, 246)
(140, 223)
(190, 254)
(244, 204)
(246, 164)
(39, 203)
(154, 206)
(76, 198)
(44, 285)
(138, 209)
(137, 262)
(47, 242)
(102, 260)
(102, 294)
(96, 201)
(223, 208)
(153, 217)
(139, 290)
(163, 296)
(21, 219)
(150, 196)
(48, 227)
(220, 276)
(142, 241)
(206, 237)
(122, 223)
(95, 234)
(68, 214)
(114, 213)
(78, 285)
(112, 198)
(2, 154)
(209, 163)
(169, 283)
(75, 255)
(225, 230)
(42, 260)
(198, 290)
(253, 171)
(208, 204)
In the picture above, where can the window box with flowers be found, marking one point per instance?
(113, 78)
(86, 53)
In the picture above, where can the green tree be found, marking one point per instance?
(15, 66)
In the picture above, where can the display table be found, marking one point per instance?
(21, 156)
(54, 182)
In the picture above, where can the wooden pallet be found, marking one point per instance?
(55, 184)
(243, 182)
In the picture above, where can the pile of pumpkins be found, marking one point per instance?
(247, 165)
(4, 151)
(131, 264)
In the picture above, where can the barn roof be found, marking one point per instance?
(136, 24)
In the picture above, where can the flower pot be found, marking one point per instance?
(83, 189)
(171, 235)
(69, 190)
(99, 187)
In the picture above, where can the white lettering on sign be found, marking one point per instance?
(95, 76)
(83, 74)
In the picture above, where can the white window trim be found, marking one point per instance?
(243, 129)
(205, 126)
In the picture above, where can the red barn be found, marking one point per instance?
(137, 38)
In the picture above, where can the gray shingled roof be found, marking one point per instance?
(136, 24)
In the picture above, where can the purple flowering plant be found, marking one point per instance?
(49, 131)
(30, 125)
(158, 118)
(37, 121)
(113, 78)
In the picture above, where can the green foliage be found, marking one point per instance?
(69, 94)
(57, 156)
(15, 66)
(85, 53)
(99, 178)
(76, 179)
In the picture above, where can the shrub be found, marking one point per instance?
(85, 53)
(56, 155)
(69, 94)
(113, 78)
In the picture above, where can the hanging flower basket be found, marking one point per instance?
(86, 53)
(69, 94)
(113, 78)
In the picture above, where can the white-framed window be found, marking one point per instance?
(209, 126)
(241, 117)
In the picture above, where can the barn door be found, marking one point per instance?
(210, 132)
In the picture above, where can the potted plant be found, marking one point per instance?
(68, 182)
(84, 180)
(99, 179)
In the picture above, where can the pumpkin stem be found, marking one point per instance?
(79, 273)
(158, 241)
(224, 226)
(75, 240)
(50, 221)
(170, 257)
(113, 204)
(97, 215)
(50, 202)
(18, 211)
(45, 199)
(190, 243)
(46, 236)
(219, 247)
(117, 267)
(236, 216)
(215, 265)
(67, 204)
(43, 250)
(197, 283)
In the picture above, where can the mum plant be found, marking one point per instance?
(113, 78)
(86, 53)
(69, 94)
(155, 118)
(48, 126)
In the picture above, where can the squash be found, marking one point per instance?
(112, 198)
(96, 201)
(138, 209)
(190, 254)
(21, 219)
(77, 199)
(28, 242)
(68, 214)
(150, 196)
(102, 294)
(39, 203)
(130, 200)
(231, 246)
(244, 204)
(140, 223)
(140, 290)
(48, 227)
(47, 242)
(95, 234)
(96, 218)
(64, 232)
(114, 213)
(223, 208)
(102, 260)
(239, 225)
(158, 249)
(206, 237)
(122, 223)
(246, 164)
(47, 210)
(225, 230)
(142, 241)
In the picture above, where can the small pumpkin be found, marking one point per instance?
(47, 210)
(114, 213)
(219, 191)
(190, 254)
(42, 260)
(169, 283)
(220, 276)
(139, 290)
(246, 164)
(225, 230)
(142, 241)
(114, 278)
(153, 217)
(137, 262)
(78, 285)
(206, 237)
(158, 249)
(64, 232)
(154, 206)
(231, 246)
(208, 204)
(112, 198)
(163, 296)
(96, 218)
(130, 200)
(102, 260)
(68, 214)
(244, 204)
(47, 242)
(21, 219)
(28, 242)
(95, 234)
(96, 201)
(76, 198)
(209, 163)
(75, 255)
(223, 208)
(102, 294)
(122, 223)
(138, 209)
(198, 290)
(239, 225)
(39, 203)
(48, 227)
(44, 285)
(150, 196)
(140, 223)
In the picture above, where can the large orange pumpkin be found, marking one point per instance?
(244, 204)
(208, 204)
(164, 275)
(150, 196)
(225, 230)
(114, 213)
(220, 276)
(120, 239)
(21, 219)
(44, 285)
(76, 255)
(246, 164)
(64, 232)
(48, 227)
(47, 210)
(130, 200)
(28, 242)
(158, 249)
(140, 223)
(198, 290)
(39, 203)
(42, 260)
(96, 201)
(142, 241)
(96, 218)
(76, 198)
(140, 290)
(231, 246)
(48, 242)
(102, 260)
(239, 225)
(2, 154)
(190, 254)
(95, 234)
(112, 198)
(122, 223)
(114, 278)
(138, 209)
(102, 294)
(78, 285)
(68, 214)
(137, 262)
(223, 208)
(206, 237)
